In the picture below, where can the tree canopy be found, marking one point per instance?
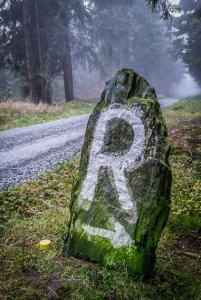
(40, 40)
(134, 38)
(186, 32)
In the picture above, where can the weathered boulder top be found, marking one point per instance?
(121, 196)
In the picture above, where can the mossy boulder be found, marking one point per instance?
(121, 196)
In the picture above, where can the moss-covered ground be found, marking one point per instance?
(40, 210)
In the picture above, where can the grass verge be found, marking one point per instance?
(39, 209)
(185, 109)
(16, 114)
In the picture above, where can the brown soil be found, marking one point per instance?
(52, 285)
(190, 243)
(188, 135)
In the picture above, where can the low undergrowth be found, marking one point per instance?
(15, 114)
(40, 210)
(185, 109)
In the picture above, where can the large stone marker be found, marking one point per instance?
(121, 197)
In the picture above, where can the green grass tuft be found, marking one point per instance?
(191, 104)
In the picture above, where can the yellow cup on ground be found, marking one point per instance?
(45, 244)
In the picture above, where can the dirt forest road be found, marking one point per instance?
(27, 152)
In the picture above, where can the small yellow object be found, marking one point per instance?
(45, 244)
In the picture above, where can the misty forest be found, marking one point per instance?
(100, 165)
(53, 50)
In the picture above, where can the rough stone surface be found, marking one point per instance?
(121, 196)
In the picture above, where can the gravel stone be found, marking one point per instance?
(27, 152)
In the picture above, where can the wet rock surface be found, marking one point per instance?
(121, 197)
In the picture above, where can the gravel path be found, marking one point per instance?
(27, 152)
(167, 102)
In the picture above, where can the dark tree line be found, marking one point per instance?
(134, 38)
(41, 39)
(187, 36)
(36, 42)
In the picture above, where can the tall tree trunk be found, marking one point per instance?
(29, 54)
(67, 66)
(39, 51)
(45, 85)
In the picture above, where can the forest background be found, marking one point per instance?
(58, 49)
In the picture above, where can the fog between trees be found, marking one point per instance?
(67, 49)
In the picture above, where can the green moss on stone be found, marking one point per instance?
(137, 261)
(149, 184)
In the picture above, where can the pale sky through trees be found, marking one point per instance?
(174, 1)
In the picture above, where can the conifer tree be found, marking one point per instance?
(186, 32)
(131, 37)
(39, 39)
